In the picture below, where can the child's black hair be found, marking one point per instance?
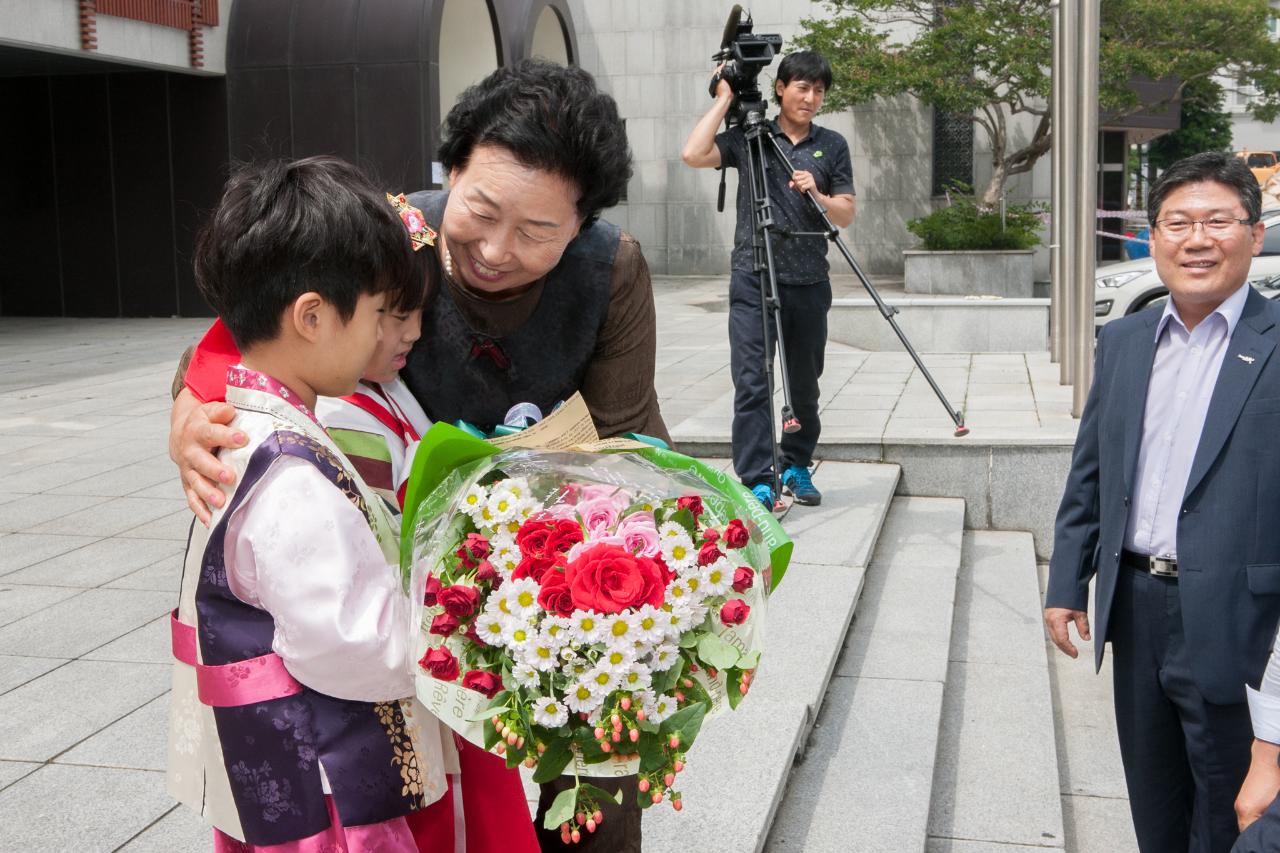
(418, 291)
(285, 228)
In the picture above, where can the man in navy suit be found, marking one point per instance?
(1173, 501)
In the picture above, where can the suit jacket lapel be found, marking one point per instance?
(1235, 381)
(1139, 358)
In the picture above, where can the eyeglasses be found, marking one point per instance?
(1180, 229)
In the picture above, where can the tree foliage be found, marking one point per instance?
(990, 59)
(1205, 125)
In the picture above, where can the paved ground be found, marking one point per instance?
(92, 525)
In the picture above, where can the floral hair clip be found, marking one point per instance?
(420, 233)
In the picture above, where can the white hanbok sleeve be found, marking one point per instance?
(299, 549)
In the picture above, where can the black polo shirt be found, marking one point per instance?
(824, 153)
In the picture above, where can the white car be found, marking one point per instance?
(1121, 289)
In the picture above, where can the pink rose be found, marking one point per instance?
(710, 534)
(576, 551)
(639, 534)
(597, 492)
(734, 611)
(441, 663)
(743, 579)
(598, 516)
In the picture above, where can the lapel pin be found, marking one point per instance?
(1247, 359)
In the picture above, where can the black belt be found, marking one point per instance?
(1160, 567)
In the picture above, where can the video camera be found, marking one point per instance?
(744, 55)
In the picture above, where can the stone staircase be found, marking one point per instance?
(903, 703)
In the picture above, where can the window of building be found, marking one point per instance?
(952, 150)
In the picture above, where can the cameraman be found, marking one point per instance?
(821, 159)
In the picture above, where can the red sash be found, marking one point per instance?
(386, 411)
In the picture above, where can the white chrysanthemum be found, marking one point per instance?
(518, 633)
(671, 530)
(525, 507)
(679, 594)
(636, 678)
(658, 708)
(664, 657)
(490, 625)
(502, 504)
(518, 486)
(648, 622)
(691, 577)
(474, 500)
(581, 697)
(524, 675)
(619, 629)
(678, 620)
(550, 712)
(541, 653)
(573, 666)
(518, 598)
(602, 678)
(717, 578)
(617, 660)
(585, 627)
(505, 558)
(556, 629)
(678, 551)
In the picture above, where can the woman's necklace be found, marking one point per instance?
(447, 260)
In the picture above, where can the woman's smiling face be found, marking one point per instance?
(506, 224)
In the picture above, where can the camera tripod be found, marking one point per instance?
(760, 142)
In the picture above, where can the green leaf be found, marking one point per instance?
(552, 763)
(685, 519)
(599, 794)
(749, 660)
(562, 809)
(501, 702)
(652, 756)
(733, 688)
(686, 723)
(715, 652)
(688, 639)
(665, 681)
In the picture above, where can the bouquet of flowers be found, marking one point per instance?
(585, 613)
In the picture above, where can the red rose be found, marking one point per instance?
(532, 538)
(441, 663)
(609, 579)
(473, 635)
(668, 575)
(482, 682)
(708, 554)
(477, 545)
(743, 579)
(736, 535)
(444, 624)
(734, 611)
(459, 600)
(485, 572)
(433, 590)
(710, 534)
(564, 535)
(531, 567)
(464, 557)
(693, 503)
(555, 595)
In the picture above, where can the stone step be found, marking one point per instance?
(867, 775)
(997, 744)
(809, 616)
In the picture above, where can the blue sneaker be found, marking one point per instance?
(764, 494)
(798, 483)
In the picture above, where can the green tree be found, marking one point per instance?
(1205, 126)
(989, 59)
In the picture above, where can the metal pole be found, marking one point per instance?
(1087, 200)
(1055, 192)
(1066, 132)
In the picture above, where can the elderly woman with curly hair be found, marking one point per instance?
(542, 298)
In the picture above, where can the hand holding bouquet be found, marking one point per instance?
(585, 613)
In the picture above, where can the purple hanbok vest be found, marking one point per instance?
(275, 732)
